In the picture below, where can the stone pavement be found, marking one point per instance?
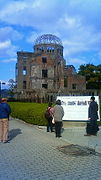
(75, 135)
(33, 154)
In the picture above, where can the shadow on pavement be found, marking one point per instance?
(77, 150)
(13, 133)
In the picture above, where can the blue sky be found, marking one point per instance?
(76, 22)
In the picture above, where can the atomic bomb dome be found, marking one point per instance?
(48, 39)
(42, 75)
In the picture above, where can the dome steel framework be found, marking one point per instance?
(48, 39)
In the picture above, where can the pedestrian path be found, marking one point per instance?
(33, 154)
(75, 135)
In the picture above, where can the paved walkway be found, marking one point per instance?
(33, 154)
(76, 136)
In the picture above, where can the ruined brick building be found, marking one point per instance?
(41, 75)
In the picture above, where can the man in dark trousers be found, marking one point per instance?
(92, 126)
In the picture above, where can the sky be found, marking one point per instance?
(76, 22)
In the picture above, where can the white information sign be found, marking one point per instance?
(76, 107)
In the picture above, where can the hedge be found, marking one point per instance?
(32, 113)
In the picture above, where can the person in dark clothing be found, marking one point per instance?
(92, 126)
(49, 117)
(5, 110)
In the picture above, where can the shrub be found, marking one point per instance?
(32, 113)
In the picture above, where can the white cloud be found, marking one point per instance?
(75, 22)
(8, 39)
(9, 60)
(12, 8)
(30, 13)
(5, 44)
(76, 61)
(7, 49)
(8, 32)
(32, 37)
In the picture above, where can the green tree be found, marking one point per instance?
(92, 74)
(12, 85)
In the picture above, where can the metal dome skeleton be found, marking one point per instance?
(48, 39)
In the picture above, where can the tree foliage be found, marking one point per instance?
(92, 74)
(11, 84)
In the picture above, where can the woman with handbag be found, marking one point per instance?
(49, 117)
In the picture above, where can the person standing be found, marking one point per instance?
(92, 126)
(49, 117)
(58, 115)
(5, 110)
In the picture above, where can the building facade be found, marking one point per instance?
(41, 75)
